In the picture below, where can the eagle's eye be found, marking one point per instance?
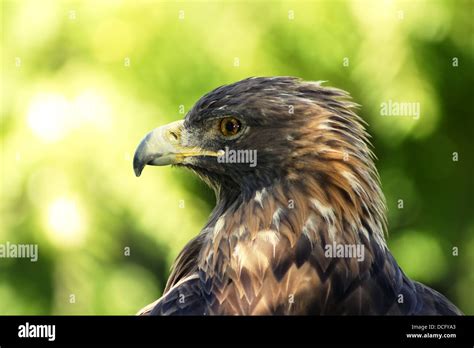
(230, 126)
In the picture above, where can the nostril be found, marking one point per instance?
(174, 135)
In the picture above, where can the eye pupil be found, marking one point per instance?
(229, 126)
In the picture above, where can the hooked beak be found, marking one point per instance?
(163, 146)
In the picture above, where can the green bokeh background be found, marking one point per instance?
(83, 81)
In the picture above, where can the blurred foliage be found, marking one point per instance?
(83, 81)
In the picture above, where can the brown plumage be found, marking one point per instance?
(272, 243)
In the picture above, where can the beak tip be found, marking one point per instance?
(138, 167)
(138, 164)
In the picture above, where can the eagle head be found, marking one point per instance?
(249, 135)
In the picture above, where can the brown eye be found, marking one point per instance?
(230, 126)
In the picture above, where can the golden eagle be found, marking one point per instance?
(299, 223)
